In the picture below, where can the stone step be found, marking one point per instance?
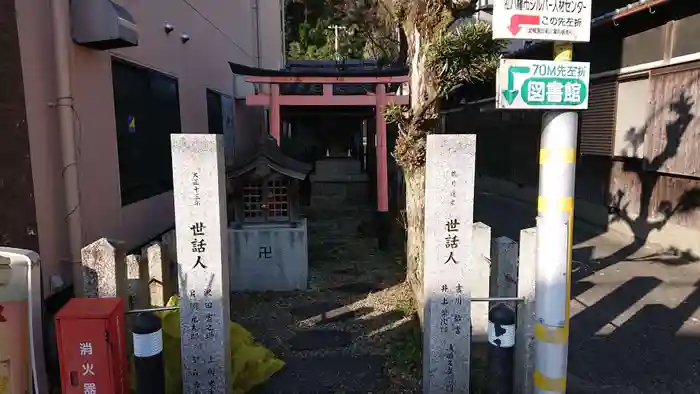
(329, 375)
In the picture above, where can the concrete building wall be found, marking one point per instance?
(220, 32)
(272, 33)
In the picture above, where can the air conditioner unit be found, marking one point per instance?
(102, 25)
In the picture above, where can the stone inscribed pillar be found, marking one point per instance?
(104, 269)
(202, 251)
(449, 217)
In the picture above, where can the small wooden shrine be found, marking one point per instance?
(264, 186)
(268, 237)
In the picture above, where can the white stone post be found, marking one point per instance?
(137, 282)
(449, 219)
(104, 269)
(202, 250)
(480, 281)
(504, 260)
(157, 267)
(525, 330)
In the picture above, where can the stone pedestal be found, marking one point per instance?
(269, 257)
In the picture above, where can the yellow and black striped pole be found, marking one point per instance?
(555, 221)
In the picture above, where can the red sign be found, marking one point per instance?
(517, 20)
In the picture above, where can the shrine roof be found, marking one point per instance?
(330, 69)
(268, 153)
(321, 69)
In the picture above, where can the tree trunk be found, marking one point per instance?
(421, 91)
(403, 47)
(415, 219)
(411, 155)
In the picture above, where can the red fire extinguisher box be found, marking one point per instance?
(92, 346)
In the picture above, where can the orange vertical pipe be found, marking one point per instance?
(382, 175)
(275, 122)
(66, 126)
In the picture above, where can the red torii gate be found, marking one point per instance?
(379, 99)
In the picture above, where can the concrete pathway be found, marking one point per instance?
(635, 325)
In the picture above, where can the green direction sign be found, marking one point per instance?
(543, 84)
(510, 93)
(541, 91)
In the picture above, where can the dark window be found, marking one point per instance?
(686, 33)
(635, 39)
(215, 112)
(147, 111)
(644, 47)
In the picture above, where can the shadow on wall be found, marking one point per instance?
(645, 169)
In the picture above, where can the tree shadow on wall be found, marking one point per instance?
(646, 169)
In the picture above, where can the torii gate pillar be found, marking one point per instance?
(275, 120)
(382, 169)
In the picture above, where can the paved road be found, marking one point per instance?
(635, 325)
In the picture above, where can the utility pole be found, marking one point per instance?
(555, 225)
(335, 28)
(538, 84)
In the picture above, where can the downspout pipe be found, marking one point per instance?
(283, 24)
(258, 62)
(60, 14)
(256, 10)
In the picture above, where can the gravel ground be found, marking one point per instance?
(354, 330)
